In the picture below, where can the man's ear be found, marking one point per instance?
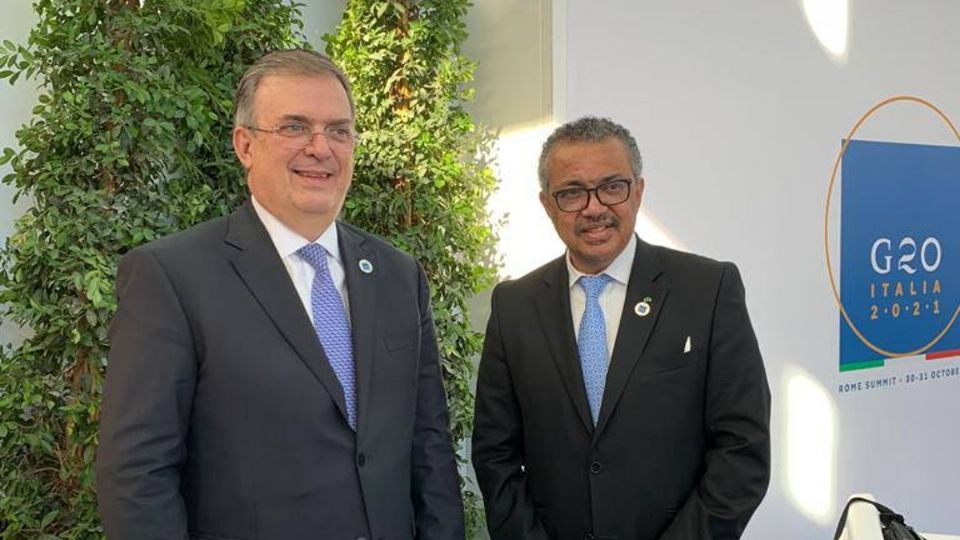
(242, 146)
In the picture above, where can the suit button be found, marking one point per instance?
(595, 467)
(361, 461)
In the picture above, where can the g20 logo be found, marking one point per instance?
(882, 253)
(895, 283)
(916, 295)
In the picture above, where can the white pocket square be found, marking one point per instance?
(686, 346)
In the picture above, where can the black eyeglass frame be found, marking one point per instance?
(595, 191)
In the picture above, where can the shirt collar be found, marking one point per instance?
(619, 269)
(289, 242)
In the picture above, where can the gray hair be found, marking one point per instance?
(293, 62)
(589, 129)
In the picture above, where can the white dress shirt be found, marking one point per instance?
(288, 242)
(611, 299)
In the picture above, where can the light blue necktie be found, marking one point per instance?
(592, 342)
(331, 325)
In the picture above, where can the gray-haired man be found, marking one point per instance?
(621, 392)
(274, 374)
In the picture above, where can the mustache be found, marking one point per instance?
(609, 220)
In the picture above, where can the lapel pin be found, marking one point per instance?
(642, 308)
(365, 266)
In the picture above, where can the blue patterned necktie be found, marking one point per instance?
(331, 325)
(592, 342)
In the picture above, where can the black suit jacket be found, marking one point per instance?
(222, 418)
(681, 447)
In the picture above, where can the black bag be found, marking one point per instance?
(891, 523)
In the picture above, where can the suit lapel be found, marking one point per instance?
(634, 330)
(553, 308)
(262, 271)
(362, 289)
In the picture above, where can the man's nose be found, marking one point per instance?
(319, 146)
(594, 206)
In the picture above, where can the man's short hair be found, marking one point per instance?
(293, 62)
(589, 129)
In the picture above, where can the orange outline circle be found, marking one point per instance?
(826, 227)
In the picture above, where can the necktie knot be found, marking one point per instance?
(593, 285)
(315, 255)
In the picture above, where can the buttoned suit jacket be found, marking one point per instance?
(222, 418)
(681, 446)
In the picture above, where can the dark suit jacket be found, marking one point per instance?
(222, 418)
(681, 447)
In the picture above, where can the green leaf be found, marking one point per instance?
(48, 518)
(8, 154)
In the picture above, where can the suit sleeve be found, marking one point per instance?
(498, 443)
(737, 422)
(146, 406)
(436, 486)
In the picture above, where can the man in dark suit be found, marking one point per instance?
(621, 392)
(274, 374)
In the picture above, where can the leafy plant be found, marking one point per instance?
(421, 177)
(129, 141)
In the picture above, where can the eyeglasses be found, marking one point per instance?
(298, 135)
(610, 193)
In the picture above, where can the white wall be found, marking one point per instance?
(321, 17)
(512, 41)
(15, 105)
(739, 111)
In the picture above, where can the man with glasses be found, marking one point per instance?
(621, 392)
(274, 374)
